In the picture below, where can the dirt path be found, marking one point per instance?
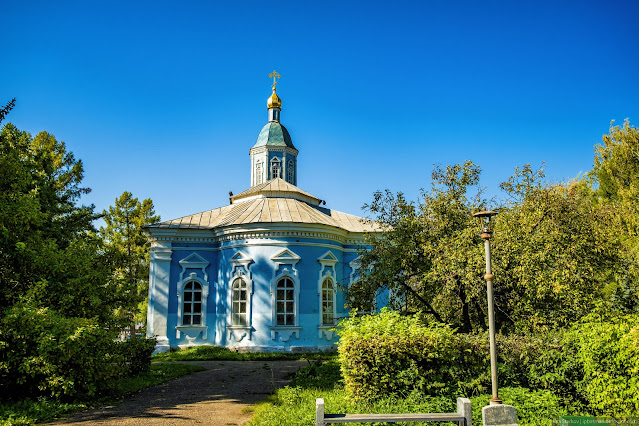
(220, 395)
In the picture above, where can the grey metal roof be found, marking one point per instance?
(275, 201)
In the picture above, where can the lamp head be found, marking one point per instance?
(485, 216)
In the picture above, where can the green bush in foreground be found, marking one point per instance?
(44, 354)
(391, 355)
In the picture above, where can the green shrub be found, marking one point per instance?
(391, 355)
(608, 352)
(43, 353)
(136, 354)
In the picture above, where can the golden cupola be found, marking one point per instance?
(274, 101)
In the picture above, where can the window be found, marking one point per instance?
(276, 168)
(285, 302)
(192, 305)
(239, 316)
(328, 303)
(258, 173)
(290, 172)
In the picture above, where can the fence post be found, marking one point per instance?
(464, 409)
(319, 412)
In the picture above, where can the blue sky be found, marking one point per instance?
(165, 100)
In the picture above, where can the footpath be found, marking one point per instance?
(221, 395)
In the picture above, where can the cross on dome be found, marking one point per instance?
(274, 75)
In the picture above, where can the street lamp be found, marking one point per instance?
(485, 216)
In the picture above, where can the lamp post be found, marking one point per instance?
(485, 216)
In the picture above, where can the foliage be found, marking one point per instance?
(44, 353)
(57, 299)
(391, 355)
(128, 247)
(430, 256)
(30, 411)
(553, 253)
(216, 353)
(136, 354)
(295, 404)
(5, 109)
(615, 182)
(608, 352)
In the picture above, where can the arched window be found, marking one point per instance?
(258, 173)
(192, 304)
(285, 302)
(276, 168)
(239, 303)
(290, 173)
(328, 302)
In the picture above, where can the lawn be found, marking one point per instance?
(216, 353)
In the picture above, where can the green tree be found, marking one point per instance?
(129, 247)
(430, 255)
(57, 326)
(615, 183)
(554, 252)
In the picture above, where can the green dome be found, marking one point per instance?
(274, 134)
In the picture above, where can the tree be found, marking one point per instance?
(129, 247)
(430, 255)
(553, 253)
(57, 326)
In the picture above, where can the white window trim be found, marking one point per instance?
(285, 257)
(192, 261)
(191, 332)
(327, 270)
(279, 162)
(240, 269)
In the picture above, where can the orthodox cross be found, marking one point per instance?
(274, 75)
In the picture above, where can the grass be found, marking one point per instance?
(295, 404)
(29, 412)
(215, 353)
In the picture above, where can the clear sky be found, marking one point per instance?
(165, 99)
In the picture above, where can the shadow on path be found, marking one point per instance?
(221, 395)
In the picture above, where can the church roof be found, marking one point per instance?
(274, 134)
(276, 188)
(273, 202)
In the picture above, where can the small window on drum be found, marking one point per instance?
(192, 305)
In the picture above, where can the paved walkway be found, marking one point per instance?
(221, 395)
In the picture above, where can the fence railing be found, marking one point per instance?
(463, 416)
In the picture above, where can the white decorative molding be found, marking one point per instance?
(285, 262)
(355, 265)
(328, 331)
(327, 272)
(238, 332)
(286, 257)
(240, 269)
(192, 330)
(285, 331)
(194, 261)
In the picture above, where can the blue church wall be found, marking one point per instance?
(257, 262)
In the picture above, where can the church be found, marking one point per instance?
(266, 272)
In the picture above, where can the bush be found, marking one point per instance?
(392, 355)
(136, 354)
(45, 354)
(608, 353)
